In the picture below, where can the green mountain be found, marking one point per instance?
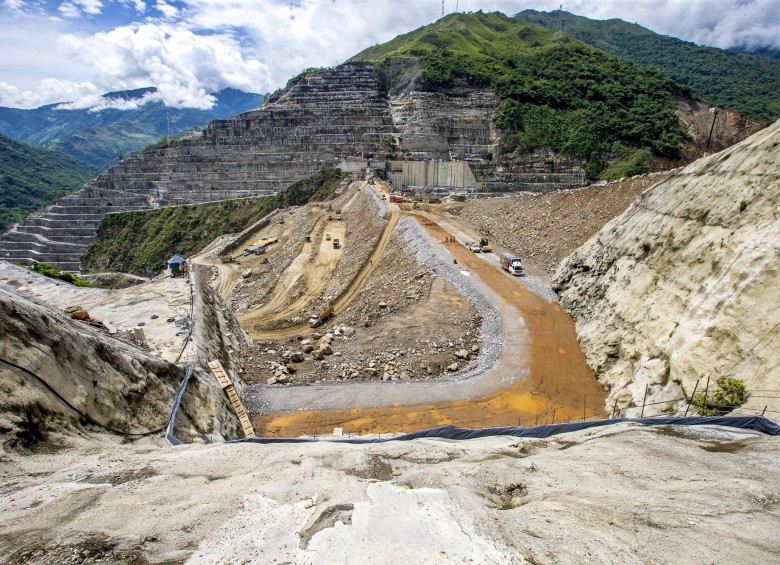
(32, 177)
(556, 91)
(745, 82)
(99, 137)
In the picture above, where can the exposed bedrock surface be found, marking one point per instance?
(104, 380)
(684, 285)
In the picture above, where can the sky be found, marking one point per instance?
(75, 50)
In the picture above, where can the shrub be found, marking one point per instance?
(729, 395)
(49, 270)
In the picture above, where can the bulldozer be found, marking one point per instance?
(484, 246)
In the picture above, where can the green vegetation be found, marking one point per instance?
(49, 270)
(98, 138)
(134, 242)
(745, 82)
(729, 395)
(556, 91)
(162, 143)
(31, 178)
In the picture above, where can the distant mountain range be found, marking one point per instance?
(100, 137)
(31, 177)
(746, 82)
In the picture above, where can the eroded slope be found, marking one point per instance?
(683, 286)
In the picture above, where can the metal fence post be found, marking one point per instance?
(692, 396)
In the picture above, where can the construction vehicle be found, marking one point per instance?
(336, 244)
(327, 237)
(511, 264)
(322, 317)
(484, 246)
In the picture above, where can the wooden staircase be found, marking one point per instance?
(227, 386)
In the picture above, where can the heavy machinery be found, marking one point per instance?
(322, 317)
(336, 244)
(511, 263)
(484, 245)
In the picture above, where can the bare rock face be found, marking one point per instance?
(685, 284)
(57, 374)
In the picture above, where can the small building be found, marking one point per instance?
(175, 264)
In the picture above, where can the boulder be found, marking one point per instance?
(453, 367)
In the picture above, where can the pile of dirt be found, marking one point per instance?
(544, 228)
(407, 323)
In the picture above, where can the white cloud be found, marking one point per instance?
(195, 47)
(138, 5)
(77, 8)
(166, 9)
(97, 102)
(47, 91)
(14, 5)
(185, 67)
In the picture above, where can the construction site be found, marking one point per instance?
(499, 379)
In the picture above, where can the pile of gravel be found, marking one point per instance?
(440, 262)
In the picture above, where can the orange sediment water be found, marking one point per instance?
(559, 387)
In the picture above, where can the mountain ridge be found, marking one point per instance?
(31, 177)
(102, 137)
(745, 82)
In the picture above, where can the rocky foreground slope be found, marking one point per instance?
(614, 495)
(684, 285)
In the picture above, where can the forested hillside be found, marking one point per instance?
(745, 82)
(101, 137)
(556, 90)
(32, 177)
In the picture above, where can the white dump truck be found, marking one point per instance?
(511, 263)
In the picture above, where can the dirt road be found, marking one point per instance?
(541, 376)
(310, 273)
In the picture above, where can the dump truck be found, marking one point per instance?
(336, 244)
(322, 317)
(511, 263)
(484, 245)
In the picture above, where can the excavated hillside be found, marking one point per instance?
(443, 106)
(542, 229)
(683, 286)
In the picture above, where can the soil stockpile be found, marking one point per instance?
(544, 228)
